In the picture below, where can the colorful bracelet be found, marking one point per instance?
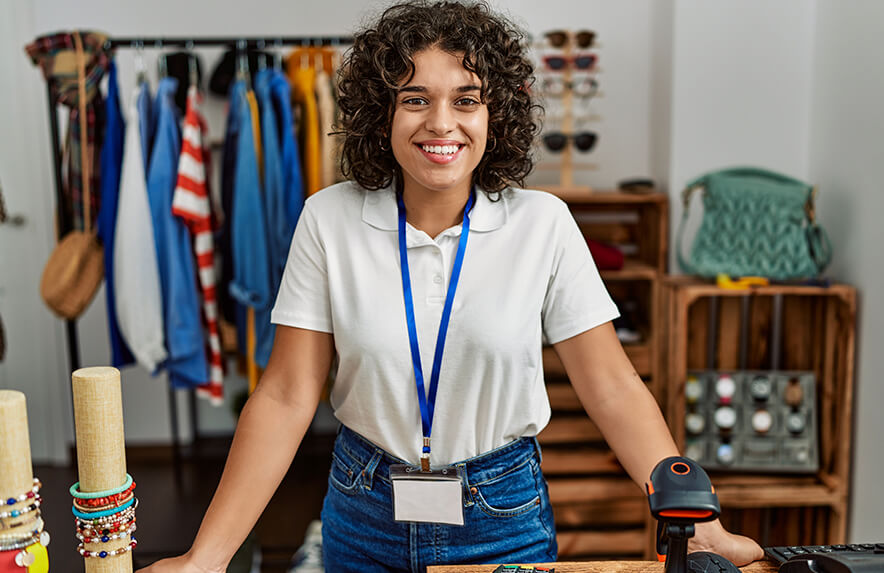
(97, 508)
(105, 538)
(75, 490)
(12, 546)
(108, 500)
(25, 496)
(113, 528)
(112, 553)
(25, 521)
(35, 530)
(16, 512)
(98, 514)
(127, 513)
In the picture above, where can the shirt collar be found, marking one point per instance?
(379, 210)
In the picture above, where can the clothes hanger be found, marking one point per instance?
(193, 74)
(242, 63)
(140, 67)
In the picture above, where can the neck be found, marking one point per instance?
(434, 211)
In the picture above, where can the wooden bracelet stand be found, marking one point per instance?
(16, 473)
(101, 454)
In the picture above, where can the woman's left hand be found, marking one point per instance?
(712, 536)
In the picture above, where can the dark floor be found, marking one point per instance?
(174, 497)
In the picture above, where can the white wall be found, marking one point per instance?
(847, 161)
(740, 89)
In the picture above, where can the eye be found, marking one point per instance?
(416, 101)
(468, 101)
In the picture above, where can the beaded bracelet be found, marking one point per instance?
(16, 512)
(107, 538)
(25, 496)
(97, 508)
(108, 500)
(35, 530)
(111, 528)
(12, 546)
(112, 553)
(98, 514)
(25, 521)
(119, 516)
(75, 490)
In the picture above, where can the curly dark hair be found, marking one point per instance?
(381, 59)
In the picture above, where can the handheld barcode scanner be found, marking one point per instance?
(680, 495)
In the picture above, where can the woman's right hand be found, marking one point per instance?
(181, 564)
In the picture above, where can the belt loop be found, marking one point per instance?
(368, 471)
(537, 448)
(468, 496)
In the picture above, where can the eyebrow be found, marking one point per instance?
(422, 89)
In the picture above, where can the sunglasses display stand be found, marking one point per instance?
(565, 163)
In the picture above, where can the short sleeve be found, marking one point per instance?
(576, 298)
(303, 298)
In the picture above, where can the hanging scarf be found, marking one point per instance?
(56, 56)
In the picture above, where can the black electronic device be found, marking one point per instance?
(835, 563)
(707, 562)
(852, 551)
(680, 495)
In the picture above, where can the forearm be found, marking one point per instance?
(267, 436)
(632, 424)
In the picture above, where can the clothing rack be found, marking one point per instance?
(64, 226)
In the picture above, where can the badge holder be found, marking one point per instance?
(434, 496)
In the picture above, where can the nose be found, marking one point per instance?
(440, 119)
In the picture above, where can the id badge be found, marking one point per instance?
(427, 497)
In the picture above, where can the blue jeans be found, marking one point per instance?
(507, 514)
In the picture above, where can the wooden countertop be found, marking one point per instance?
(596, 567)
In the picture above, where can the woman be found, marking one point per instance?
(430, 253)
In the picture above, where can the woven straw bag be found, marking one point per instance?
(75, 268)
(755, 223)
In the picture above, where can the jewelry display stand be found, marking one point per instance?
(101, 454)
(16, 478)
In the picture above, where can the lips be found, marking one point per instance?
(441, 152)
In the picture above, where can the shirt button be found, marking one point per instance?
(437, 279)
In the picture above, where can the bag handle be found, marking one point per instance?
(85, 162)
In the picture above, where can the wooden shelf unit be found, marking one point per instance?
(816, 328)
(600, 513)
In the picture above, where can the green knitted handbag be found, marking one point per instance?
(755, 223)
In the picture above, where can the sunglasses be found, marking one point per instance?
(560, 38)
(556, 86)
(583, 141)
(581, 62)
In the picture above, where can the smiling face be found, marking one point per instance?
(440, 125)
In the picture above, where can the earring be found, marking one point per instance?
(381, 145)
(493, 141)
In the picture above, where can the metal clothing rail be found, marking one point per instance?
(241, 43)
(65, 226)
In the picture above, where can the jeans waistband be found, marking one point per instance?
(477, 470)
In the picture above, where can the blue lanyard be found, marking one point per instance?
(428, 404)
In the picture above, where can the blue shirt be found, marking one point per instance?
(111, 168)
(251, 285)
(187, 363)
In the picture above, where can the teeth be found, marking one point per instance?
(440, 149)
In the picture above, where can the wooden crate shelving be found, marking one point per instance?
(781, 327)
(600, 513)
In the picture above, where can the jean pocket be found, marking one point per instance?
(345, 473)
(510, 494)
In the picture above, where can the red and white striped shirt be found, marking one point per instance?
(191, 203)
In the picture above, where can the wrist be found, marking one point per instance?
(203, 565)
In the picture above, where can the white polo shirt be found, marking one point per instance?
(527, 272)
